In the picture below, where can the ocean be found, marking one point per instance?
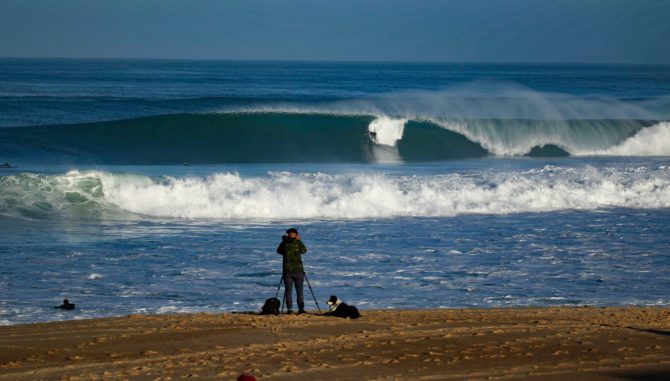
(165, 186)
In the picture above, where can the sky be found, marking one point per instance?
(557, 31)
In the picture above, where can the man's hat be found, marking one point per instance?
(292, 230)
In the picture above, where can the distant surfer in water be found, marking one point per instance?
(66, 305)
(5, 165)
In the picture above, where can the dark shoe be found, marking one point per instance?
(289, 312)
(300, 312)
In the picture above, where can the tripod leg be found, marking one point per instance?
(283, 298)
(281, 280)
(312, 291)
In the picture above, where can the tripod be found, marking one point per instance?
(283, 299)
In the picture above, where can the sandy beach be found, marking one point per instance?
(522, 343)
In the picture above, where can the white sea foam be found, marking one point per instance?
(339, 196)
(387, 131)
(650, 141)
(372, 195)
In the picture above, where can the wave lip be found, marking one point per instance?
(99, 195)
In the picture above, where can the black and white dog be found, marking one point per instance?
(340, 309)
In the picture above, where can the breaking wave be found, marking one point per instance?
(651, 141)
(98, 194)
(310, 136)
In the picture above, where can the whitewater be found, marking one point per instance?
(228, 195)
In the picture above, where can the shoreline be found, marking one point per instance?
(598, 343)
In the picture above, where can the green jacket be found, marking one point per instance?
(292, 249)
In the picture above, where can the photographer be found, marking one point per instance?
(292, 248)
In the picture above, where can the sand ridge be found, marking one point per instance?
(516, 343)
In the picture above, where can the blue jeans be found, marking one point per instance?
(289, 280)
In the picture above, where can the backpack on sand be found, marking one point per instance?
(271, 307)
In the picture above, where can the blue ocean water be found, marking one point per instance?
(165, 186)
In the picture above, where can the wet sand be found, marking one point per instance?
(531, 344)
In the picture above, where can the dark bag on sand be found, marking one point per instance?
(271, 307)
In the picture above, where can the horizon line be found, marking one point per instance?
(269, 60)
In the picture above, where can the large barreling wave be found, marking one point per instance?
(408, 126)
(419, 126)
(298, 196)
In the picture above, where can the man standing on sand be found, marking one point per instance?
(292, 249)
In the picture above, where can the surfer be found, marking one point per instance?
(66, 305)
(5, 165)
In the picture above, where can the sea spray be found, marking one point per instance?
(477, 100)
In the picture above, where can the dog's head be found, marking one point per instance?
(334, 301)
